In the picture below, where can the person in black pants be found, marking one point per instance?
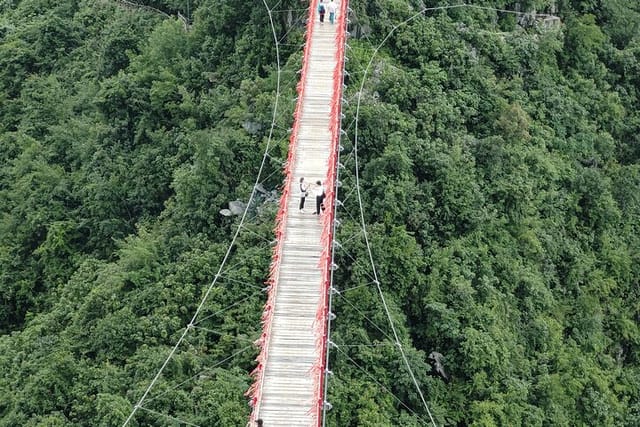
(321, 11)
(303, 194)
(319, 197)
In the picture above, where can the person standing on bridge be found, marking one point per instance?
(321, 11)
(319, 192)
(332, 11)
(303, 194)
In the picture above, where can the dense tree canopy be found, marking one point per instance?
(494, 155)
(124, 132)
(500, 171)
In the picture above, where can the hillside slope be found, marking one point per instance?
(499, 164)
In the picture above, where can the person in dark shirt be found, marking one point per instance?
(321, 11)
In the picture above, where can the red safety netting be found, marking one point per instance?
(255, 391)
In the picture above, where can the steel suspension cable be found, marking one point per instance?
(357, 176)
(190, 325)
(362, 221)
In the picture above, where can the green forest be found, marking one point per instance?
(499, 165)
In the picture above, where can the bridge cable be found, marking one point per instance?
(375, 380)
(207, 369)
(362, 221)
(357, 177)
(190, 325)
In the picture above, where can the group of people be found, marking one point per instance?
(331, 7)
(318, 192)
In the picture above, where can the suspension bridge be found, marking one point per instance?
(289, 379)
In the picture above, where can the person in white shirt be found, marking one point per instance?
(332, 11)
(303, 194)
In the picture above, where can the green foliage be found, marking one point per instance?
(499, 174)
(122, 138)
(498, 165)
